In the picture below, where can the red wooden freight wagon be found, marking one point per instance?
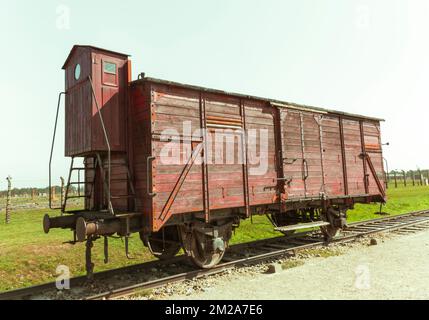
(182, 165)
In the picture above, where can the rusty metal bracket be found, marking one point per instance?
(204, 165)
(319, 120)
(89, 265)
(106, 249)
(362, 139)
(304, 161)
(127, 237)
(289, 160)
(343, 157)
(245, 167)
(279, 147)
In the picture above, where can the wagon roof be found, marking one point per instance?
(273, 101)
(77, 46)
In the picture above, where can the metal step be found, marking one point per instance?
(82, 182)
(123, 197)
(302, 226)
(278, 246)
(114, 165)
(75, 197)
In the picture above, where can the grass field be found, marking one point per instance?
(28, 256)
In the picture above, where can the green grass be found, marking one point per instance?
(28, 256)
(399, 200)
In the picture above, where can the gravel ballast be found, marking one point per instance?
(396, 268)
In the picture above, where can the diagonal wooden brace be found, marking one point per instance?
(374, 173)
(166, 210)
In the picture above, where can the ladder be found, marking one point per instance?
(130, 193)
(78, 183)
(100, 169)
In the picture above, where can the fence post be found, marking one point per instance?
(420, 177)
(8, 199)
(396, 181)
(386, 178)
(54, 198)
(405, 178)
(413, 176)
(62, 191)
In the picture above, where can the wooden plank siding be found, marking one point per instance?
(353, 150)
(332, 156)
(161, 110)
(140, 128)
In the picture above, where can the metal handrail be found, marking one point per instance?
(149, 182)
(52, 151)
(107, 143)
(305, 169)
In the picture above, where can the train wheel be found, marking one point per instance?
(203, 256)
(164, 244)
(336, 218)
(329, 232)
(205, 250)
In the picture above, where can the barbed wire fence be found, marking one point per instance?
(409, 178)
(12, 198)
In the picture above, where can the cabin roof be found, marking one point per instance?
(77, 46)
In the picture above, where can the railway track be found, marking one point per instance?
(126, 281)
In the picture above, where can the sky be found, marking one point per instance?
(366, 57)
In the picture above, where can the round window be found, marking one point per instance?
(77, 72)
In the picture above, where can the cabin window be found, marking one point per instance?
(77, 72)
(109, 67)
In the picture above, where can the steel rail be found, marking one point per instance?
(75, 281)
(287, 246)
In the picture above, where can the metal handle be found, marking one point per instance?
(150, 192)
(305, 169)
